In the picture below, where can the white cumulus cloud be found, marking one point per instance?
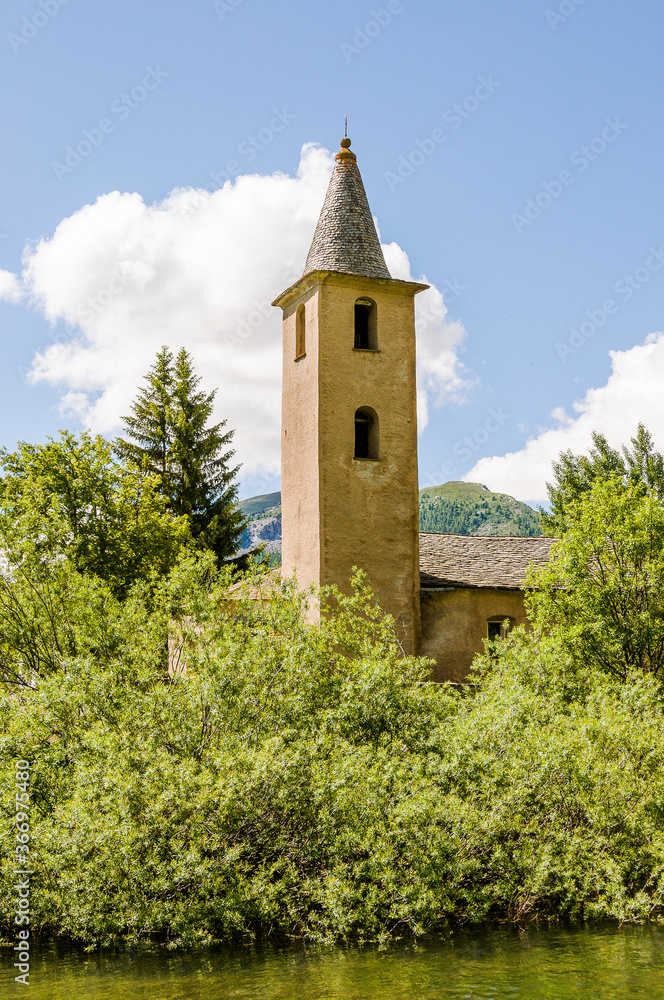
(633, 394)
(441, 377)
(199, 270)
(10, 287)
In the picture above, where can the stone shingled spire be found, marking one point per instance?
(346, 239)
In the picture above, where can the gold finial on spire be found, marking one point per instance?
(345, 153)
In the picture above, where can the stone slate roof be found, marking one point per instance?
(346, 239)
(479, 560)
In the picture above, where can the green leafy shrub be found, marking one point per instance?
(602, 594)
(302, 779)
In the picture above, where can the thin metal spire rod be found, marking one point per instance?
(346, 127)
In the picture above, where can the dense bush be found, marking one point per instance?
(84, 506)
(289, 778)
(602, 595)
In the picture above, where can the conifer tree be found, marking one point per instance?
(150, 423)
(170, 437)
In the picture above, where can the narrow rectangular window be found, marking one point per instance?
(361, 327)
(300, 341)
(362, 428)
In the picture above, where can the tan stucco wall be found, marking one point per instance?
(300, 511)
(454, 625)
(338, 511)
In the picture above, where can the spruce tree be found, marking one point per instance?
(204, 488)
(149, 424)
(170, 437)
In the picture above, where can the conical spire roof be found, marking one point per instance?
(346, 239)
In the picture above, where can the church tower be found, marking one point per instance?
(349, 487)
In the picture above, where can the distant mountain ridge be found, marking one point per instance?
(455, 507)
(472, 509)
(264, 528)
(261, 506)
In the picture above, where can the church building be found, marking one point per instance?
(349, 481)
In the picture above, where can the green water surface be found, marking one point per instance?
(609, 964)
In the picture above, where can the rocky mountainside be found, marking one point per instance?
(460, 508)
(263, 514)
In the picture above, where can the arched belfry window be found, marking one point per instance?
(300, 341)
(366, 325)
(367, 433)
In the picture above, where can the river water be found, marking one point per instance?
(581, 964)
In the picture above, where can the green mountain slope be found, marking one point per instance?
(472, 509)
(262, 506)
(460, 508)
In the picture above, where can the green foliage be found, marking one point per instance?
(568, 765)
(303, 779)
(208, 765)
(575, 474)
(602, 594)
(171, 439)
(69, 498)
(49, 612)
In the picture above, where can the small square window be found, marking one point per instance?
(498, 627)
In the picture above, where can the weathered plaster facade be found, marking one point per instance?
(466, 583)
(454, 625)
(339, 511)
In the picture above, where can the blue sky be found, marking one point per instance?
(513, 150)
